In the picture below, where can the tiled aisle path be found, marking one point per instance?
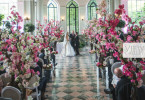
(76, 79)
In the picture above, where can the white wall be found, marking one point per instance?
(63, 16)
(82, 15)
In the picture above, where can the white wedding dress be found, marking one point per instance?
(67, 49)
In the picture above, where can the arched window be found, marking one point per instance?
(92, 6)
(52, 11)
(72, 17)
(5, 6)
(136, 8)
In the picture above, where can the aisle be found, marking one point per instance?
(76, 79)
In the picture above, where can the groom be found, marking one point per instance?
(72, 39)
(77, 44)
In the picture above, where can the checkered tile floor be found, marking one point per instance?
(76, 79)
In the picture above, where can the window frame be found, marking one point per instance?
(76, 8)
(89, 7)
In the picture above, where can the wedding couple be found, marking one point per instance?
(70, 45)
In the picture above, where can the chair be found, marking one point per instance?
(5, 80)
(107, 59)
(36, 94)
(11, 92)
(115, 65)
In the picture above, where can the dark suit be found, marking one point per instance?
(43, 81)
(123, 89)
(42, 55)
(52, 56)
(121, 36)
(77, 45)
(72, 40)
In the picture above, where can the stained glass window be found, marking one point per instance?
(72, 17)
(52, 11)
(136, 8)
(92, 6)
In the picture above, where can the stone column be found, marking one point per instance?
(27, 12)
(63, 18)
(111, 3)
(40, 10)
(117, 3)
(32, 11)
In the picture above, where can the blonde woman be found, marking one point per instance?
(67, 49)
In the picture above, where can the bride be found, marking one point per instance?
(67, 49)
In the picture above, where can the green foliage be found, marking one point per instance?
(121, 24)
(29, 27)
(82, 41)
(8, 25)
(1, 18)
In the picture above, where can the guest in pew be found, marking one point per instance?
(110, 75)
(124, 86)
(42, 83)
(53, 57)
(43, 57)
(121, 35)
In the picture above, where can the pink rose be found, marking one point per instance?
(129, 38)
(118, 11)
(38, 73)
(141, 23)
(36, 59)
(1, 53)
(121, 6)
(132, 81)
(19, 27)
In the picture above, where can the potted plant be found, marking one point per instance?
(29, 27)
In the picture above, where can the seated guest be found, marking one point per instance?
(121, 35)
(123, 87)
(42, 83)
(115, 78)
(43, 57)
(53, 57)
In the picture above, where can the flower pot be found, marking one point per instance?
(47, 74)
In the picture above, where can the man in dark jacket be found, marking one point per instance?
(77, 44)
(43, 57)
(123, 87)
(121, 35)
(72, 40)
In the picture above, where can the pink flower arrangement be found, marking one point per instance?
(108, 39)
(20, 51)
